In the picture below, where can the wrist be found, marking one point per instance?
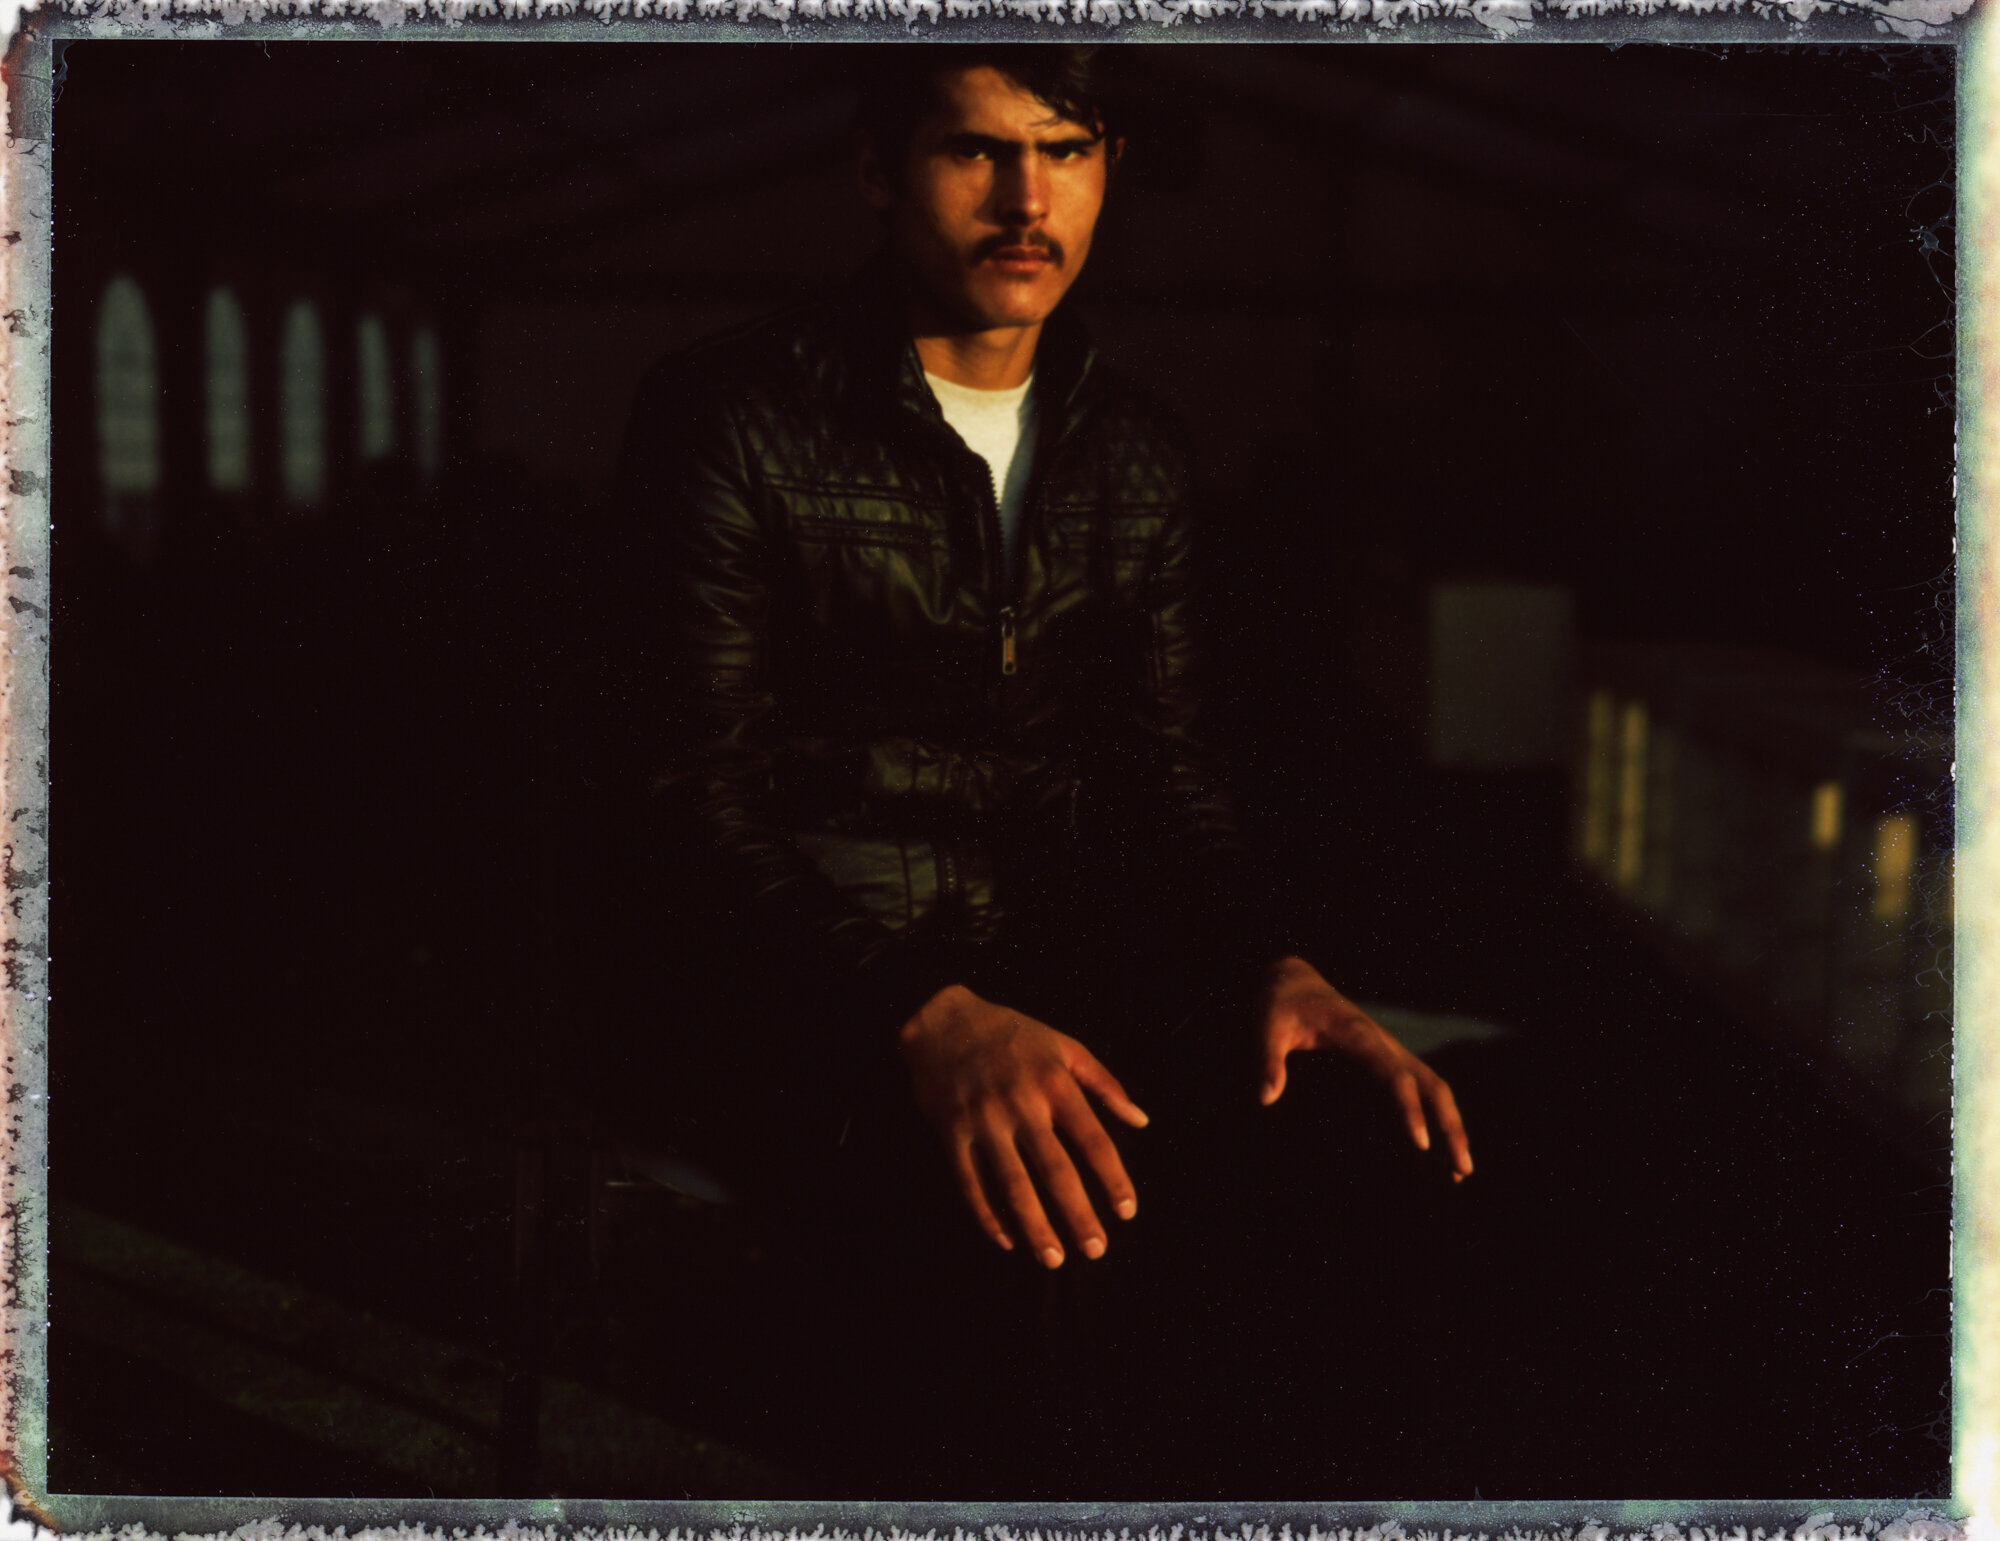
(1289, 967)
(936, 1012)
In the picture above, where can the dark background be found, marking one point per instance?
(1669, 327)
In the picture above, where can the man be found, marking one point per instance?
(921, 571)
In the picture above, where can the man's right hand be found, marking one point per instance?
(1006, 1092)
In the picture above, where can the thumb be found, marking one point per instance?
(1090, 1074)
(1277, 1044)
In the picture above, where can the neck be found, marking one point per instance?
(995, 360)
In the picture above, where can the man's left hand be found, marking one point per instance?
(1303, 1011)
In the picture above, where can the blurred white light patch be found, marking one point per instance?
(1499, 672)
(302, 408)
(228, 350)
(128, 392)
(376, 382)
(1425, 1032)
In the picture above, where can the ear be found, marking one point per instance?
(872, 174)
(1114, 152)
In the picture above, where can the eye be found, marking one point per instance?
(967, 148)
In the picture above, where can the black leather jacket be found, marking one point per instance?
(889, 753)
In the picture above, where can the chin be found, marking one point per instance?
(998, 310)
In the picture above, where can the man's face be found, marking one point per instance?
(996, 204)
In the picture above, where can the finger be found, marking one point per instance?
(975, 1192)
(1277, 1045)
(1445, 1106)
(1080, 1126)
(1405, 1086)
(1005, 1162)
(1090, 1073)
(1066, 1188)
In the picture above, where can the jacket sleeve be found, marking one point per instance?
(707, 579)
(1221, 897)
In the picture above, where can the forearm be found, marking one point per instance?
(735, 851)
(707, 668)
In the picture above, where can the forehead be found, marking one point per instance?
(983, 101)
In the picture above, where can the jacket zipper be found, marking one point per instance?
(1005, 613)
(1042, 447)
(996, 556)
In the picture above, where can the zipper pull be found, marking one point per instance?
(1008, 664)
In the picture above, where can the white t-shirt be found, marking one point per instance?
(999, 426)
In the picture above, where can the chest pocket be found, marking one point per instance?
(873, 546)
(872, 568)
(822, 522)
(884, 534)
(822, 513)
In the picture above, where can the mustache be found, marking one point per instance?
(1008, 238)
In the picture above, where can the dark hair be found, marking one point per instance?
(897, 85)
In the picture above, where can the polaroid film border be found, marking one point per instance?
(26, 186)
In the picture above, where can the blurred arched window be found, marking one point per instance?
(228, 346)
(427, 388)
(302, 407)
(376, 380)
(128, 399)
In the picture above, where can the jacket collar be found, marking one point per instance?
(882, 369)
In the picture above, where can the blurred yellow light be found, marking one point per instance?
(1895, 860)
(1631, 794)
(1826, 809)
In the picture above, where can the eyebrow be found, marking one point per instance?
(993, 146)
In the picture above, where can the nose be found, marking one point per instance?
(1023, 191)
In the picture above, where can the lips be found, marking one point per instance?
(1022, 260)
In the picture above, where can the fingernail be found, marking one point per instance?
(1144, 1118)
(1423, 1139)
(1093, 1246)
(1052, 1256)
(1006, 1242)
(1127, 1208)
